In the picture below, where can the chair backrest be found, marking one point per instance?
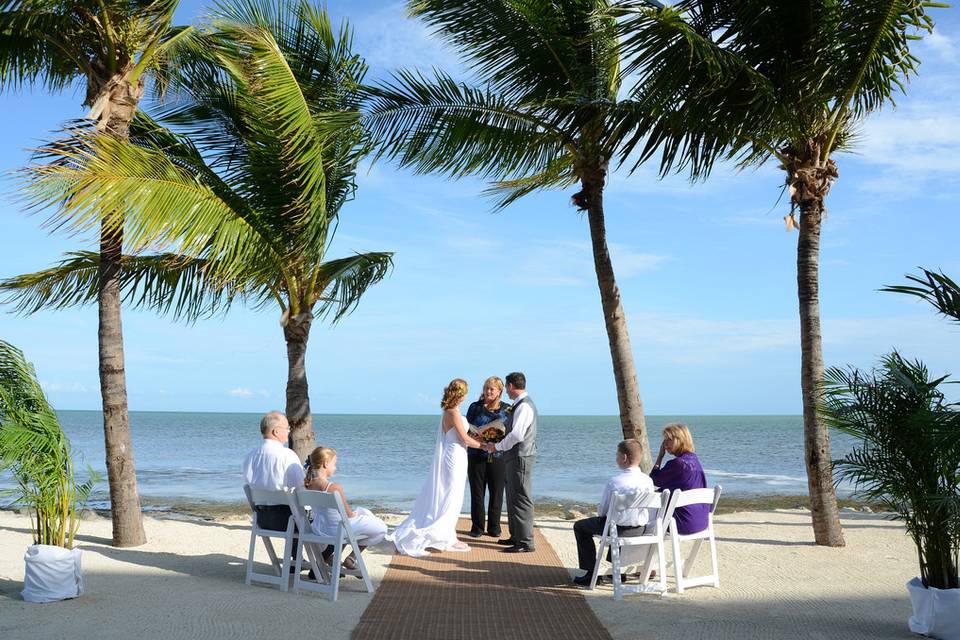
(264, 496)
(303, 499)
(684, 498)
(638, 500)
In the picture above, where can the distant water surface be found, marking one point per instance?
(195, 457)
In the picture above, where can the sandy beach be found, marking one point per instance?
(187, 582)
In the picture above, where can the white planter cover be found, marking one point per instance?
(936, 612)
(51, 574)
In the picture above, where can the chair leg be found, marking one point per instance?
(677, 563)
(647, 565)
(285, 567)
(335, 562)
(662, 565)
(615, 557)
(361, 565)
(713, 559)
(273, 554)
(688, 564)
(253, 548)
(596, 563)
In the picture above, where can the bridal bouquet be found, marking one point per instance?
(490, 432)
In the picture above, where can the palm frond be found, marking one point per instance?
(167, 284)
(558, 174)
(28, 55)
(438, 125)
(342, 282)
(525, 49)
(164, 204)
(936, 288)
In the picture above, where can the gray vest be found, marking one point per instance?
(527, 446)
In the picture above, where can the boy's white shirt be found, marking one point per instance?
(629, 479)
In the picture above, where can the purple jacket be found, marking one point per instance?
(684, 472)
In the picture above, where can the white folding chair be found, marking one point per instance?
(623, 550)
(326, 578)
(682, 567)
(281, 567)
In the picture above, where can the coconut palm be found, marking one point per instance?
(35, 449)
(545, 113)
(109, 47)
(244, 197)
(755, 80)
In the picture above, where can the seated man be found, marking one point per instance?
(274, 467)
(632, 521)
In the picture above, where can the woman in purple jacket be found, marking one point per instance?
(683, 472)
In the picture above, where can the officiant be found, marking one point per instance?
(486, 472)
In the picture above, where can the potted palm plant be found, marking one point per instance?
(35, 450)
(908, 458)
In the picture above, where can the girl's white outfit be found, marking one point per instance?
(368, 528)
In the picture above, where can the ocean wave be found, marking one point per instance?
(760, 477)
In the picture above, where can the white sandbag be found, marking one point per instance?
(936, 612)
(51, 574)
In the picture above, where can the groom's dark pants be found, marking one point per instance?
(520, 498)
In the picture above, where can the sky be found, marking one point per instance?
(706, 272)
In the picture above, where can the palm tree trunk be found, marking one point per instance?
(120, 104)
(296, 331)
(632, 421)
(816, 437)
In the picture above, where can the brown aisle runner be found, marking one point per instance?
(481, 594)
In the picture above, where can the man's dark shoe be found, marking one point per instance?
(608, 579)
(519, 548)
(507, 542)
(494, 534)
(582, 581)
(475, 533)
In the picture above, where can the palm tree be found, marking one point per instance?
(110, 46)
(545, 114)
(754, 80)
(246, 195)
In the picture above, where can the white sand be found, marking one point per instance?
(187, 582)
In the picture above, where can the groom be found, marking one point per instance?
(520, 447)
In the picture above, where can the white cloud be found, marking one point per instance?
(66, 387)
(628, 263)
(942, 45)
(240, 392)
(568, 264)
(389, 39)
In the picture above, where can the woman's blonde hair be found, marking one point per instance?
(493, 381)
(682, 439)
(455, 392)
(318, 459)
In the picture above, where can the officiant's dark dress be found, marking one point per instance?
(485, 473)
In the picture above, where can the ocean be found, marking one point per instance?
(194, 458)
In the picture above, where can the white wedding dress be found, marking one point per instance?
(433, 522)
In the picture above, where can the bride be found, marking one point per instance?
(433, 522)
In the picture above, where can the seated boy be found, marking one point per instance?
(632, 521)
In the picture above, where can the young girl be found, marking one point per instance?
(321, 466)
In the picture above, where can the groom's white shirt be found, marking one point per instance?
(522, 419)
